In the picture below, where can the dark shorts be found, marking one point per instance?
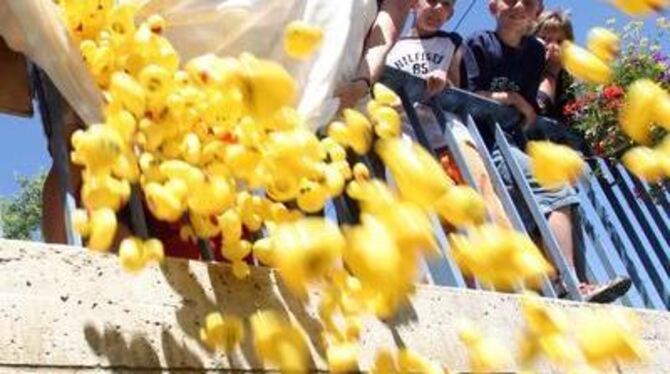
(560, 134)
(548, 199)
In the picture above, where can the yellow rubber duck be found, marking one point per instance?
(222, 332)
(638, 8)
(418, 176)
(646, 163)
(546, 333)
(584, 65)
(603, 43)
(387, 122)
(554, 165)
(236, 252)
(636, 116)
(411, 362)
(485, 354)
(129, 92)
(461, 206)
(269, 87)
(278, 342)
(305, 251)
(102, 229)
(312, 196)
(301, 39)
(604, 337)
(358, 131)
(385, 96)
(97, 148)
(342, 357)
(104, 191)
(131, 255)
(204, 227)
(212, 197)
(166, 202)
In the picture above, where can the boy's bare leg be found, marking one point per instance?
(483, 180)
(560, 222)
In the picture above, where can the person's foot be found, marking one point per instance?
(605, 293)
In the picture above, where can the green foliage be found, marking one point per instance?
(21, 214)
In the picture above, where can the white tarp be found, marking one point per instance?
(195, 27)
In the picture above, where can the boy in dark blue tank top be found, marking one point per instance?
(506, 65)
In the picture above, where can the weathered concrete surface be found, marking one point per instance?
(64, 309)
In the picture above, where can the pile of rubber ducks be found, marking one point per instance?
(201, 139)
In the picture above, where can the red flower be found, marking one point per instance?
(613, 92)
(572, 108)
(613, 105)
(600, 148)
(590, 97)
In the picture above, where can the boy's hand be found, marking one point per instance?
(517, 101)
(504, 98)
(525, 108)
(436, 81)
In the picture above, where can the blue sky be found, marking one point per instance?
(23, 148)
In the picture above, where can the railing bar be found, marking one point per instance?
(453, 146)
(654, 233)
(604, 245)
(638, 241)
(137, 216)
(549, 239)
(601, 273)
(629, 259)
(654, 205)
(205, 248)
(502, 193)
(443, 271)
(61, 155)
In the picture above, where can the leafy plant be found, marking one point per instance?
(595, 109)
(21, 214)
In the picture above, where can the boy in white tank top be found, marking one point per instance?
(435, 56)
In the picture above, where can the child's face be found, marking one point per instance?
(552, 35)
(517, 15)
(432, 14)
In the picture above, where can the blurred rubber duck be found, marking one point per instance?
(418, 176)
(99, 227)
(555, 165)
(646, 163)
(485, 354)
(638, 8)
(222, 332)
(584, 65)
(546, 334)
(301, 39)
(135, 254)
(603, 43)
(637, 114)
(606, 336)
(305, 251)
(279, 342)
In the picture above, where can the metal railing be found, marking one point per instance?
(624, 231)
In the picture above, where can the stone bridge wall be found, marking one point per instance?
(64, 309)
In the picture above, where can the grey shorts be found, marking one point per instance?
(548, 199)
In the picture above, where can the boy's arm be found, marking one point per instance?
(383, 34)
(515, 100)
(454, 72)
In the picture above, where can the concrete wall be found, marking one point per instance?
(64, 309)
